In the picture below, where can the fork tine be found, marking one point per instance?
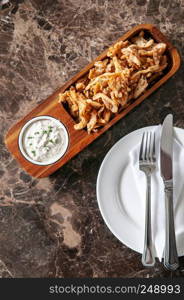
(153, 155)
(150, 146)
(142, 152)
(147, 147)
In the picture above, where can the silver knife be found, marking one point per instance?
(166, 157)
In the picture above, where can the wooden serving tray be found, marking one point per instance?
(78, 140)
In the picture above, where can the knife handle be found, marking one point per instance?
(170, 254)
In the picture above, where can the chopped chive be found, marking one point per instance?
(30, 137)
(50, 127)
(37, 132)
(51, 141)
(30, 144)
(45, 131)
(34, 153)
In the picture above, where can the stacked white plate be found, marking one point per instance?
(121, 192)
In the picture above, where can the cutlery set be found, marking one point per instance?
(147, 164)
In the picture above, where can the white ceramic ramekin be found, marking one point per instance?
(21, 139)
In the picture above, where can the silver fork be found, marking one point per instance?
(147, 164)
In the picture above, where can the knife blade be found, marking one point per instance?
(166, 148)
(166, 166)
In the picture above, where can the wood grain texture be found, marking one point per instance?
(78, 140)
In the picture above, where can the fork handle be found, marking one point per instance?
(148, 257)
(170, 253)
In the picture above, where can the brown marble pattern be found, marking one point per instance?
(52, 227)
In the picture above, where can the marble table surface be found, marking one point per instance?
(52, 227)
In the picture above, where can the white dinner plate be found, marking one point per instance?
(121, 189)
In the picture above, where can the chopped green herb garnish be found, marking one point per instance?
(30, 144)
(37, 132)
(30, 137)
(50, 127)
(50, 130)
(45, 131)
(51, 141)
(34, 153)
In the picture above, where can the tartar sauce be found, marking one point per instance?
(44, 140)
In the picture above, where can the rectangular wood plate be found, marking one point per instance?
(78, 140)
